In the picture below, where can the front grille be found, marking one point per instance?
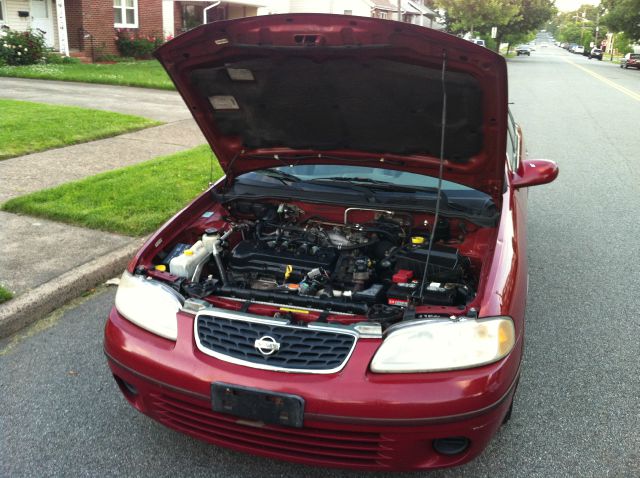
(232, 336)
(327, 446)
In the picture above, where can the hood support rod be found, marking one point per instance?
(443, 126)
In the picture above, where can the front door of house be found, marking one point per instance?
(42, 19)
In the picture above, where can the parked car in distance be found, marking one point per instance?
(523, 50)
(352, 294)
(595, 53)
(478, 41)
(630, 60)
(579, 49)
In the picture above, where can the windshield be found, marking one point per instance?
(364, 185)
(311, 172)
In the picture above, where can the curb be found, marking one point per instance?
(35, 304)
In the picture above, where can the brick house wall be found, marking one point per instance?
(149, 20)
(96, 17)
(73, 11)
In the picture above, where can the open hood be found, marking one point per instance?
(281, 89)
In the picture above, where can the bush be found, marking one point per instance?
(21, 48)
(56, 59)
(106, 58)
(137, 46)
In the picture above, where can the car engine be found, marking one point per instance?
(278, 254)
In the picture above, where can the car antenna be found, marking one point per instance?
(443, 126)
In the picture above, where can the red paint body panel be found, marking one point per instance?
(352, 418)
(406, 411)
(273, 36)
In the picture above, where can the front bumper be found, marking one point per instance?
(353, 419)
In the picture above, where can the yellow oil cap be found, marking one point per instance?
(417, 240)
(188, 252)
(161, 268)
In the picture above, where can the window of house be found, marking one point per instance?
(191, 16)
(125, 13)
(1, 11)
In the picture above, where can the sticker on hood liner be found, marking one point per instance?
(224, 102)
(240, 74)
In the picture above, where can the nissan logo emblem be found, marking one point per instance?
(266, 345)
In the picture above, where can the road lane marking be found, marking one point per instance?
(607, 81)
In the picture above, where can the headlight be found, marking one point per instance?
(149, 304)
(432, 346)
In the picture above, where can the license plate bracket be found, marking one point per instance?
(260, 405)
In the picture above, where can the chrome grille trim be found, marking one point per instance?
(246, 317)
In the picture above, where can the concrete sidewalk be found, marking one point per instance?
(44, 263)
(33, 172)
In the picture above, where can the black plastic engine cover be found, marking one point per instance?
(446, 264)
(258, 257)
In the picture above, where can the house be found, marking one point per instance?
(88, 27)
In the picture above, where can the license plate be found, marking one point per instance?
(260, 405)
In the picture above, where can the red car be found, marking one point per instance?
(630, 60)
(352, 292)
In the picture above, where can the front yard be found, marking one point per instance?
(30, 127)
(146, 74)
(134, 200)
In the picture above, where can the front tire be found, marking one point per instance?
(507, 417)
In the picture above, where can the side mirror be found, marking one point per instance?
(533, 172)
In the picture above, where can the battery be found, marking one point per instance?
(401, 294)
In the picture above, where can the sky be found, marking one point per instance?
(571, 5)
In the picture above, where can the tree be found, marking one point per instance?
(478, 15)
(531, 15)
(514, 19)
(569, 32)
(623, 16)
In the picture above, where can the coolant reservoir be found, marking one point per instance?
(185, 264)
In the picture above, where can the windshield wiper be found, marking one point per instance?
(284, 178)
(377, 184)
(287, 179)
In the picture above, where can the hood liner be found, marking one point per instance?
(345, 104)
(363, 90)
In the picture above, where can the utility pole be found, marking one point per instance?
(597, 29)
(399, 10)
(611, 57)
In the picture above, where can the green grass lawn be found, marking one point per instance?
(5, 295)
(134, 200)
(147, 74)
(29, 127)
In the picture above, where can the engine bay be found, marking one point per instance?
(344, 263)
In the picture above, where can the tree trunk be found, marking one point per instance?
(498, 41)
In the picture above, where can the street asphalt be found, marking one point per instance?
(576, 412)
